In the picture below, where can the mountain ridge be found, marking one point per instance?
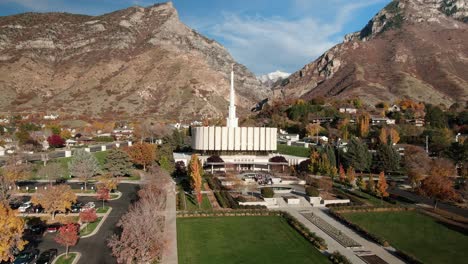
(409, 49)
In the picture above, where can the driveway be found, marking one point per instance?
(94, 249)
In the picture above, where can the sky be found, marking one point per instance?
(264, 35)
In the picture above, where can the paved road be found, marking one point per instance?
(94, 249)
(420, 199)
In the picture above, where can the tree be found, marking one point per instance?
(56, 198)
(389, 133)
(55, 141)
(342, 174)
(371, 184)
(435, 117)
(387, 158)
(88, 216)
(11, 231)
(52, 171)
(65, 134)
(118, 163)
(109, 182)
(361, 183)
(458, 152)
(382, 186)
(142, 154)
(417, 164)
(363, 122)
(83, 165)
(103, 194)
(165, 157)
(438, 187)
(195, 174)
(67, 236)
(143, 236)
(16, 168)
(351, 176)
(357, 155)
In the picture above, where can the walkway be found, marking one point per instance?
(170, 254)
(333, 245)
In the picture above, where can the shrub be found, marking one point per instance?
(267, 192)
(214, 158)
(312, 191)
(337, 258)
(278, 159)
(221, 201)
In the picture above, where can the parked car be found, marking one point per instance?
(26, 257)
(88, 205)
(47, 257)
(60, 181)
(35, 209)
(24, 207)
(76, 208)
(38, 229)
(53, 228)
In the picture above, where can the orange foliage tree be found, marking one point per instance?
(351, 175)
(57, 198)
(195, 173)
(11, 230)
(142, 154)
(67, 236)
(387, 133)
(363, 123)
(382, 186)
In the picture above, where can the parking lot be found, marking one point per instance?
(93, 249)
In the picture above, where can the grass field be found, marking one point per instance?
(293, 150)
(417, 234)
(249, 239)
(91, 226)
(193, 205)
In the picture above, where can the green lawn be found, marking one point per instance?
(248, 239)
(91, 226)
(417, 234)
(101, 210)
(293, 150)
(192, 205)
(64, 260)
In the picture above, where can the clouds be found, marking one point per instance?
(265, 44)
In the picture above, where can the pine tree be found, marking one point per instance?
(388, 158)
(357, 155)
(118, 163)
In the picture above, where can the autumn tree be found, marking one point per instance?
(67, 236)
(108, 181)
(142, 154)
(417, 164)
(382, 186)
(195, 174)
(103, 194)
(88, 216)
(361, 183)
(389, 134)
(84, 166)
(16, 168)
(438, 187)
(65, 134)
(143, 237)
(52, 171)
(55, 141)
(351, 176)
(55, 198)
(118, 163)
(342, 174)
(363, 123)
(11, 231)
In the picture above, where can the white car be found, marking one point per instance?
(24, 207)
(89, 205)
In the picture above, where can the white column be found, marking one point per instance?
(68, 153)
(103, 148)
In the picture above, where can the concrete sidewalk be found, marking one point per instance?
(170, 253)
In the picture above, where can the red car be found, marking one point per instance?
(53, 228)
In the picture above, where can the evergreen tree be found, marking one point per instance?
(118, 163)
(357, 155)
(330, 151)
(387, 158)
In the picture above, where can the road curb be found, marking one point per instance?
(119, 194)
(75, 260)
(100, 224)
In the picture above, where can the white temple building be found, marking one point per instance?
(240, 148)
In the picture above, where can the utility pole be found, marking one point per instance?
(427, 144)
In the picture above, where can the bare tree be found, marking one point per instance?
(52, 171)
(143, 238)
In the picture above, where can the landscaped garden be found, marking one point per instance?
(252, 239)
(293, 150)
(66, 260)
(419, 235)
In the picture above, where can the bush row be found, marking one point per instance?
(225, 200)
(337, 258)
(361, 209)
(214, 183)
(244, 212)
(317, 241)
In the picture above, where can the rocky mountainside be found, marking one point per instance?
(134, 62)
(271, 78)
(412, 48)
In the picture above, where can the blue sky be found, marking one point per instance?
(264, 35)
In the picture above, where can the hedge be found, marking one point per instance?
(337, 258)
(317, 241)
(267, 192)
(312, 191)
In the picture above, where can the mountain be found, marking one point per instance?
(134, 62)
(271, 78)
(412, 48)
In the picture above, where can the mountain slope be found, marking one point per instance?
(412, 48)
(133, 62)
(271, 78)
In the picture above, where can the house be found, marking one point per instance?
(288, 137)
(70, 142)
(419, 122)
(394, 108)
(382, 121)
(348, 110)
(51, 117)
(322, 120)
